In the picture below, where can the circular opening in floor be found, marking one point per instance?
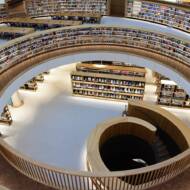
(125, 152)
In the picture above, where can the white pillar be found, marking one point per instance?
(150, 79)
(17, 100)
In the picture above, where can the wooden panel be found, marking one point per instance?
(117, 8)
(163, 119)
(16, 8)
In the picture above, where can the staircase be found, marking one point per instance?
(160, 149)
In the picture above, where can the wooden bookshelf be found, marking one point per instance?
(15, 8)
(84, 17)
(162, 12)
(35, 8)
(40, 23)
(176, 48)
(91, 80)
(170, 94)
(3, 11)
(112, 69)
(14, 32)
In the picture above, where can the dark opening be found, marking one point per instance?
(170, 144)
(118, 8)
(125, 152)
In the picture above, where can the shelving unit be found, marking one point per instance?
(167, 13)
(111, 69)
(39, 78)
(100, 81)
(39, 23)
(6, 116)
(169, 93)
(3, 11)
(177, 49)
(14, 32)
(30, 85)
(84, 17)
(35, 8)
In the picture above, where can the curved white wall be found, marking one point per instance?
(89, 56)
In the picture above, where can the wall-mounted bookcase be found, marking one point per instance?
(103, 82)
(177, 49)
(39, 24)
(14, 32)
(169, 93)
(35, 8)
(84, 17)
(173, 15)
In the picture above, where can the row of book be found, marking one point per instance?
(169, 93)
(51, 7)
(81, 36)
(163, 13)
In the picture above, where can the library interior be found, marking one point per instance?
(94, 94)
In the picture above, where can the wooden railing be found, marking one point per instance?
(69, 37)
(139, 128)
(24, 53)
(161, 118)
(70, 180)
(27, 51)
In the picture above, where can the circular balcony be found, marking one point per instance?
(25, 53)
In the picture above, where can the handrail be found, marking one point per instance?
(33, 47)
(163, 119)
(61, 178)
(113, 127)
(121, 125)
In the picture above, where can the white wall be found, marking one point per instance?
(89, 56)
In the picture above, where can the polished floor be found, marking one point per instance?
(54, 125)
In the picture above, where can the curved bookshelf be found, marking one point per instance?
(171, 14)
(36, 8)
(173, 52)
(167, 13)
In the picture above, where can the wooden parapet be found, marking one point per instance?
(29, 21)
(163, 119)
(15, 30)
